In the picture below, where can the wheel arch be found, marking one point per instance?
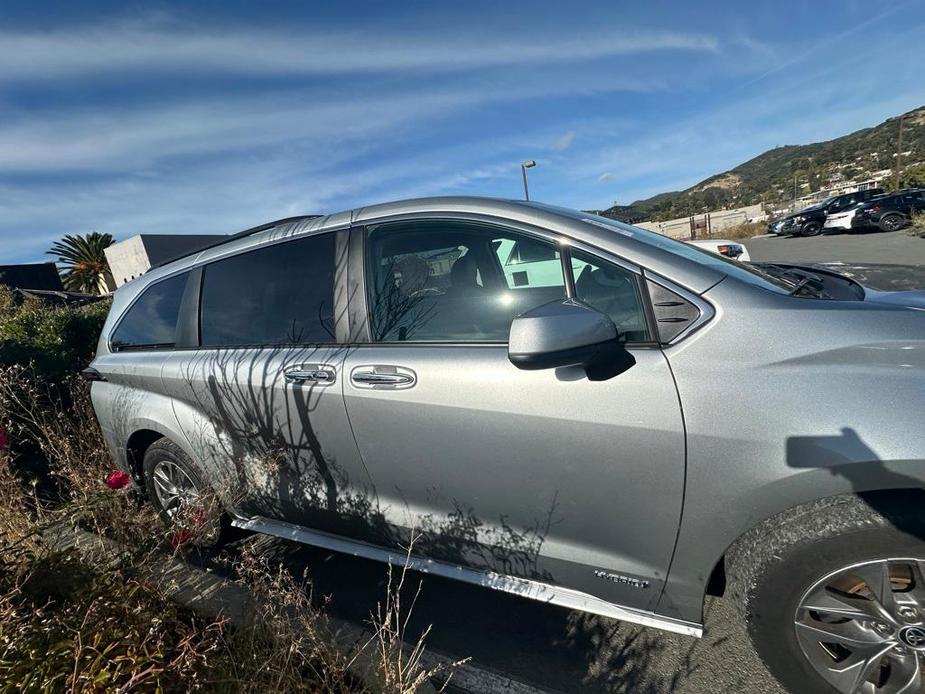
(135, 448)
(885, 501)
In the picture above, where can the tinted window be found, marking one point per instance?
(281, 294)
(152, 320)
(450, 281)
(531, 251)
(613, 290)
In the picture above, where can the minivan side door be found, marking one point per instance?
(259, 396)
(542, 475)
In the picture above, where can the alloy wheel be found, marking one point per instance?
(174, 488)
(891, 223)
(811, 229)
(862, 628)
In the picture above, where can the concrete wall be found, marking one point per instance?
(137, 254)
(712, 222)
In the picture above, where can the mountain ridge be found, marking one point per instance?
(769, 177)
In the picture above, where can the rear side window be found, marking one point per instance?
(151, 322)
(282, 294)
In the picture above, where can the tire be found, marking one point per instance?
(203, 527)
(891, 222)
(783, 566)
(811, 229)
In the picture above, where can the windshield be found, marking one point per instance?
(818, 205)
(741, 271)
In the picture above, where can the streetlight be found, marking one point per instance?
(529, 164)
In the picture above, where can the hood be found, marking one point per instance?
(912, 299)
(882, 277)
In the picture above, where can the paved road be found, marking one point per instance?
(870, 247)
(548, 647)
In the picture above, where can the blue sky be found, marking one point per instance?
(210, 117)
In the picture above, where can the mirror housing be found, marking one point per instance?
(568, 332)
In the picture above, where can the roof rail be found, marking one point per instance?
(240, 235)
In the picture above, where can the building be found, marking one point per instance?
(136, 255)
(876, 179)
(43, 276)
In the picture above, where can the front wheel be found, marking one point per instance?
(839, 606)
(811, 229)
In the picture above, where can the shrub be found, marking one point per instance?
(57, 340)
(745, 230)
(69, 623)
(917, 225)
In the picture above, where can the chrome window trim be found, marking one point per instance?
(553, 236)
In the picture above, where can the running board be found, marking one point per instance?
(534, 590)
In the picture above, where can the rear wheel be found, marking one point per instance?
(891, 222)
(183, 499)
(834, 598)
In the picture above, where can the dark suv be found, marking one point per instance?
(809, 221)
(891, 212)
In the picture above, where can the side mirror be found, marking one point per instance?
(568, 333)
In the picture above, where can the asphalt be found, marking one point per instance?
(867, 247)
(553, 649)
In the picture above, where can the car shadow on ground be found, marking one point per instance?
(548, 647)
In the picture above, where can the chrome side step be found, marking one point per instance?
(535, 590)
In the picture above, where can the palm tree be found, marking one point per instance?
(85, 266)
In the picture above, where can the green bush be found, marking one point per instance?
(57, 340)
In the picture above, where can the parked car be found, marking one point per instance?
(890, 212)
(775, 226)
(620, 437)
(811, 221)
(841, 221)
(724, 247)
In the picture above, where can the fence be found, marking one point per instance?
(706, 224)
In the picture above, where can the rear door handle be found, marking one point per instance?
(311, 373)
(383, 377)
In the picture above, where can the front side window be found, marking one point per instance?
(613, 290)
(151, 322)
(450, 281)
(461, 281)
(280, 294)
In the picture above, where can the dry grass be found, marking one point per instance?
(67, 625)
(741, 231)
(917, 225)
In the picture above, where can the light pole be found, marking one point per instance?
(529, 164)
(899, 150)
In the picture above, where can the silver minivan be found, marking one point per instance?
(554, 404)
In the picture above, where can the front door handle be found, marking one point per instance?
(392, 377)
(321, 374)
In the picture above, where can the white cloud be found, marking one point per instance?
(138, 137)
(122, 47)
(564, 142)
(606, 176)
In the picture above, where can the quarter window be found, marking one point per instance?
(151, 322)
(280, 294)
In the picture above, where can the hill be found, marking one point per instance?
(769, 177)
